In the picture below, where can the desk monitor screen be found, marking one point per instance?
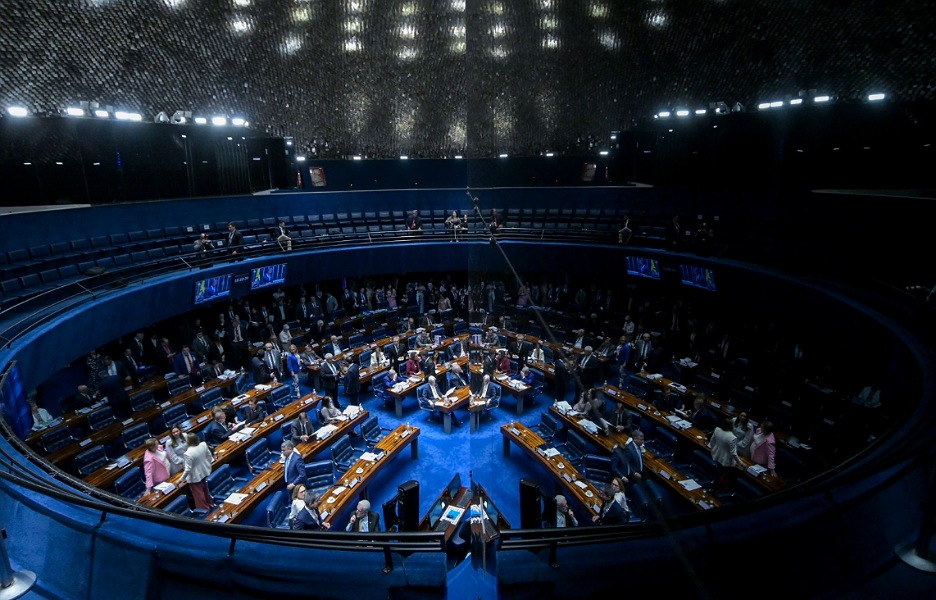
(267, 276)
(491, 510)
(436, 514)
(210, 289)
(699, 277)
(453, 486)
(643, 267)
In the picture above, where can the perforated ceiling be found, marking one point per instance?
(436, 77)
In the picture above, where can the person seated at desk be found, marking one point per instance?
(456, 350)
(488, 391)
(334, 346)
(391, 379)
(412, 365)
(502, 364)
(303, 511)
(364, 520)
(219, 429)
(422, 338)
(254, 412)
(614, 510)
(627, 460)
(606, 349)
(666, 401)
(491, 338)
(40, 416)
(564, 515)
(330, 413)
(301, 429)
(700, 416)
(590, 405)
(81, 399)
(456, 377)
(377, 357)
(431, 394)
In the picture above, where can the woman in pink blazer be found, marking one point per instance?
(764, 448)
(155, 464)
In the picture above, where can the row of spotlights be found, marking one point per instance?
(178, 118)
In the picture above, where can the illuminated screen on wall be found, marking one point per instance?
(699, 277)
(265, 276)
(215, 287)
(643, 267)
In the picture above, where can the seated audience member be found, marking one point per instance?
(155, 464)
(255, 411)
(301, 429)
(330, 413)
(364, 520)
(700, 416)
(219, 430)
(377, 357)
(303, 512)
(40, 416)
(764, 447)
(491, 338)
(564, 515)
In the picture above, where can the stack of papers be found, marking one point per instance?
(550, 452)
(324, 431)
(351, 411)
(263, 387)
(678, 387)
(581, 484)
(588, 426)
(369, 456)
(563, 407)
(235, 498)
(686, 362)
(165, 487)
(756, 470)
(239, 436)
(654, 376)
(690, 484)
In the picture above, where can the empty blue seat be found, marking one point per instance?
(130, 485)
(222, 483)
(56, 439)
(259, 456)
(174, 415)
(178, 385)
(141, 400)
(90, 460)
(280, 397)
(277, 511)
(343, 454)
(100, 418)
(135, 435)
(320, 475)
(208, 399)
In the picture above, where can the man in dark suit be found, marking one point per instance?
(590, 368)
(81, 399)
(457, 349)
(259, 369)
(132, 367)
(234, 239)
(219, 430)
(112, 388)
(395, 352)
(330, 374)
(352, 383)
(301, 429)
(293, 467)
(700, 416)
(627, 460)
(519, 348)
(364, 519)
(186, 363)
(413, 222)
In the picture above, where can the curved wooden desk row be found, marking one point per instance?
(572, 481)
(272, 478)
(113, 431)
(340, 496)
(696, 438)
(225, 453)
(666, 473)
(72, 419)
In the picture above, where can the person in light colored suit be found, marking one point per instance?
(197, 469)
(725, 454)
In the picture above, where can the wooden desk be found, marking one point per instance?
(273, 476)
(695, 437)
(567, 475)
(463, 496)
(518, 392)
(665, 472)
(360, 474)
(417, 380)
(73, 418)
(113, 431)
(229, 449)
(109, 473)
(454, 401)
